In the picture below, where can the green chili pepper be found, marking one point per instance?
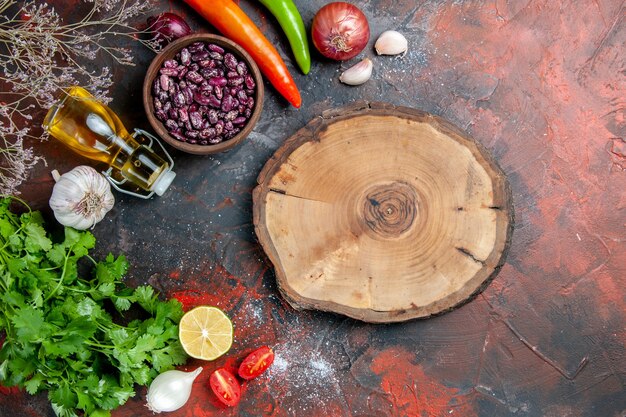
(286, 12)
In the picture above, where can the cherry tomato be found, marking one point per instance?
(256, 363)
(225, 386)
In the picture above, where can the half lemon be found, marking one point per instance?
(205, 333)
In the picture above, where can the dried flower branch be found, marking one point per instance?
(40, 55)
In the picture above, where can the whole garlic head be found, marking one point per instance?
(80, 198)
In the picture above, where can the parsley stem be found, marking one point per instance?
(67, 257)
(99, 345)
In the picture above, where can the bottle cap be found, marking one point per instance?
(163, 182)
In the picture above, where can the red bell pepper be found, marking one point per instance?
(230, 20)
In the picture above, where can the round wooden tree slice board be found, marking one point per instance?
(382, 213)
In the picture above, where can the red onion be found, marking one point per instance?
(167, 27)
(340, 31)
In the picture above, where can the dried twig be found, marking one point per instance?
(40, 55)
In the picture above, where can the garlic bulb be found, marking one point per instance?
(391, 42)
(357, 74)
(170, 390)
(80, 198)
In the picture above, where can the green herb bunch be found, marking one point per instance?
(60, 332)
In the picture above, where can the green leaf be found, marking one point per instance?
(119, 337)
(146, 298)
(13, 298)
(34, 384)
(61, 411)
(30, 324)
(121, 304)
(16, 266)
(16, 243)
(63, 396)
(36, 239)
(165, 359)
(88, 307)
(100, 413)
(141, 375)
(56, 255)
(107, 289)
(79, 241)
(7, 228)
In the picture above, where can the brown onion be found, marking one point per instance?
(340, 31)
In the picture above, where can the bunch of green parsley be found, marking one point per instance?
(65, 332)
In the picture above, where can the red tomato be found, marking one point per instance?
(256, 363)
(225, 386)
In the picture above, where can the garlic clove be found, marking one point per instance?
(357, 74)
(391, 42)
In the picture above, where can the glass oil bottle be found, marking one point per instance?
(94, 131)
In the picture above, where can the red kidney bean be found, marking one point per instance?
(215, 48)
(204, 94)
(250, 84)
(231, 115)
(172, 72)
(207, 63)
(208, 133)
(200, 98)
(230, 61)
(161, 115)
(178, 135)
(207, 73)
(242, 69)
(170, 63)
(219, 127)
(194, 77)
(228, 102)
(236, 81)
(188, 92)
(179, 99)
(171, 125)
(196, 120)
(183, 114)
(242, 96)
(217, 81)
(185, 57)
(196, 47)
(219, 92)
(214, 101)
(200, 56)
(213, 116)
(216, 56)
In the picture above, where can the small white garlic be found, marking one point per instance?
(391, 42)
(358, 73)
(80, 198)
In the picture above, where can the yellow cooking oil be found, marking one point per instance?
(94, 131)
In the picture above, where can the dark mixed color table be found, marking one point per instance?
(541, 85)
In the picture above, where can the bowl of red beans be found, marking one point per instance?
(203, 94)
